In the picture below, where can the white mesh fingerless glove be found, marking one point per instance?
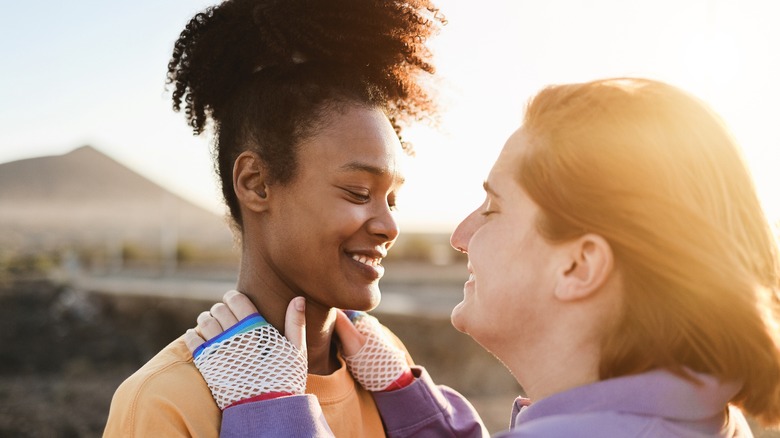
(251, 361)
(379, 363)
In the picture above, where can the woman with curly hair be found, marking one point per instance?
(621, 267)
(306, 100)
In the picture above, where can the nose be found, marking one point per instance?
(383, 224)
(462, 235)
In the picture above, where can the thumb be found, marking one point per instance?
(295, 323)
(351, 339)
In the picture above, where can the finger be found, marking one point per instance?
(295, 322)
(239, 304)
(223, 315)
(208, 327)
(193, 340)
(351, 339)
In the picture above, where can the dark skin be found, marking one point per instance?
(320, 320)
(323, 234)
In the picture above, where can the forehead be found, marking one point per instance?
(353, 139)
(504, 183)
(507, 164)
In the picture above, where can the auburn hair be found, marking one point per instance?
(265, 74)
(655, 172)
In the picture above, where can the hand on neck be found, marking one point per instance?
(272, 300)
(320, 324)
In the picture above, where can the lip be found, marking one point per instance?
(369, 262)
(471, 278)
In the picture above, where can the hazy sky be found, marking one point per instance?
(92, 72)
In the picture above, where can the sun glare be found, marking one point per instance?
(493, 59)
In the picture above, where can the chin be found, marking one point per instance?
(363, 300)
(458, 318)
(375, 297)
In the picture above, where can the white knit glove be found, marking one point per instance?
(378, 365)
(251, 361)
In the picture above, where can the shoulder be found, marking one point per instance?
(163, 374)
(601, 424)
(167, 391)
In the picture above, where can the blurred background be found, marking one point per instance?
(112, 237)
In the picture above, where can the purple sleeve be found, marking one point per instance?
(293, 416)
(424, 409)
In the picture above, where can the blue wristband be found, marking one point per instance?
(251, 322)
(355, 315)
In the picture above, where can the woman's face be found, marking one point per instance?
(510, 264)
(328, 229)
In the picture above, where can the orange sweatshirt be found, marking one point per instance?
(168, 397)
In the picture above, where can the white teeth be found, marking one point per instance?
(369, 261)
(471, 276)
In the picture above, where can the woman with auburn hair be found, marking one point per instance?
(621, 267)
(658, 176)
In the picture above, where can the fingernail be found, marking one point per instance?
(300, 304)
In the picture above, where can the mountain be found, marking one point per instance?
(86, 197)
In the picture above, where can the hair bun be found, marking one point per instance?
(377, 41)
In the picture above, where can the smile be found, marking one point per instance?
(368, 261)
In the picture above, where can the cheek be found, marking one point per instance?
(340, 221)
(493, 296)
(320, 224)
(486, 314)
(350, 218)
(491, 256)
(500, 278)
(483, 301)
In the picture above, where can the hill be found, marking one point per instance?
(85, 197)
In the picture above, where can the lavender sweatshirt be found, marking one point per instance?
(653, 404)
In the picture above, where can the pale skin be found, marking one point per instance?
(540, 307)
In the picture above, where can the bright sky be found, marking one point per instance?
(92, 72)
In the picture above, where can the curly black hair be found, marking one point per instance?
(263, 73)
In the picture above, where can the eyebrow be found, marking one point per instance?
(490, 190)
(356, 166)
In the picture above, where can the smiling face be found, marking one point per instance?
(511, 266)
(325, 232)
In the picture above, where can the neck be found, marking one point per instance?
(542, 374)
(566, 351)
(567, 356)
(271, 296)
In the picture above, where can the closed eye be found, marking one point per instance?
(391, 203)
(358, 197)
(488, 209)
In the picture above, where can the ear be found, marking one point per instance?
(250, 181)
(589, 264)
